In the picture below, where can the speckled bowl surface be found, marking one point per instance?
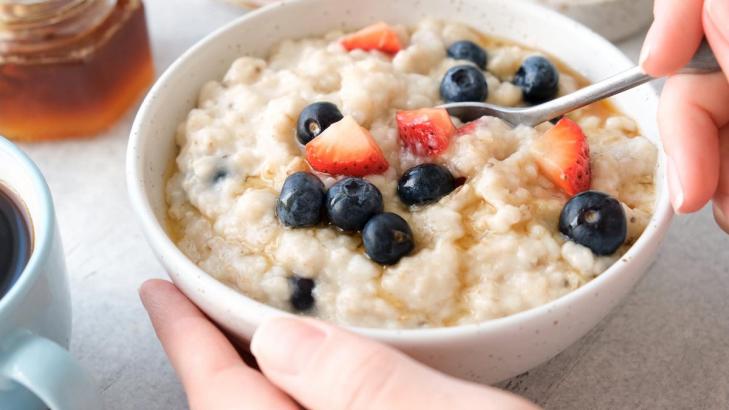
(486, 352)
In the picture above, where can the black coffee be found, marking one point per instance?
(16, 241)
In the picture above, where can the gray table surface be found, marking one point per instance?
(667, 346)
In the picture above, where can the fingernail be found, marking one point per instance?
(645, 52)
(143, 293)
(286, 345)
(675, 187)
(720, 215)
(718, 12)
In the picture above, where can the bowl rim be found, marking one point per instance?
(165, 248)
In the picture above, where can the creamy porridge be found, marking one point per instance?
(479, 239)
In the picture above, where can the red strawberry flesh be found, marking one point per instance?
(425, 132)
(470, 127)
(380, 36)
(345, 148)
(563, 156)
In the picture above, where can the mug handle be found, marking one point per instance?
(49, 372)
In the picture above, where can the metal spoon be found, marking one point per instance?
(703, 61)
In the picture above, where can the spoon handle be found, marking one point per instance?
(587, 95)
(703, 61)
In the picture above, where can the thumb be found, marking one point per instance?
(326, 368)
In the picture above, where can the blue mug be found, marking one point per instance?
(36, 370)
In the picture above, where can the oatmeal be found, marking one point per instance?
(312, 180)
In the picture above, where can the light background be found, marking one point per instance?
(667, 346)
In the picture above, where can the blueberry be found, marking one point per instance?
(425, 184)
(464, 83)
(219, 175)
(468, 50)
(314, 119)
(594, 220)
(538, 80)
(555, 120)
(387, 238)
(301, 200)
(351, 202)
(301, 293)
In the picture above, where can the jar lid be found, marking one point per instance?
(28, 26)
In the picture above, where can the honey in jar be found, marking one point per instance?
(70, 68)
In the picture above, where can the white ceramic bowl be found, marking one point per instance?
(486, 352)
(614, 19)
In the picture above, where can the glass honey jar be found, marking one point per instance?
(70, 68)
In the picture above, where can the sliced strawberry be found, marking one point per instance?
(345, 148)
(427, 131)
(378, 36)
(563, 156)
(470, 127)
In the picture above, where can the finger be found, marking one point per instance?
(716, 26)
(692, 110)
(213, 374)
(674, 36)
(721, 200)
(327, 368)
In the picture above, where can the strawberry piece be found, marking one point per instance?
(345, 148)
(427, 131)
(563, 156)
(378, 36)
(470, 127)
